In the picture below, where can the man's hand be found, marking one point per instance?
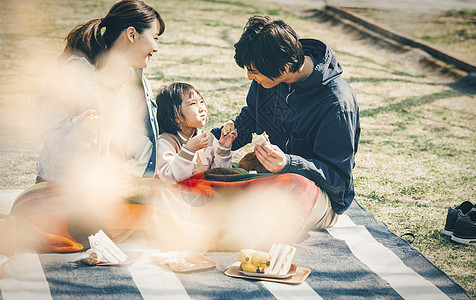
(271, 157)
(227, 140)
(198, 142)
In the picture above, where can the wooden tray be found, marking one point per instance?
(292, 272)
(197, 261)
(298, 278)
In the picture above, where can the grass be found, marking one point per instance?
(418, 146)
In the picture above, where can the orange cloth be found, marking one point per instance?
(42, 215)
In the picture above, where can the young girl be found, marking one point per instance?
(183, 149)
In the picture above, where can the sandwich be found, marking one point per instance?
(281, 257)
(277, 262)
(266, 138)
(228, 127)
(103, 250)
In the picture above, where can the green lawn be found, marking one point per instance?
(417, 154)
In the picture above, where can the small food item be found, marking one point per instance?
(281, 256)
(250, 163)
(260, 139)
(250, 267)
(266, 137)
(103, 250)
(253, 261)
(260, 259)
(245, 255)
(92, 257)
(173, 259)
(182, 261)
(228, 127)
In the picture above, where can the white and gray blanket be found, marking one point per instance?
(358, 258)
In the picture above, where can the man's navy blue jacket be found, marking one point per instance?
(314, 121)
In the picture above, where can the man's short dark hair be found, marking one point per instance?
(268, 46)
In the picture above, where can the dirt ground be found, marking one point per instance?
(422, 6)
(449, 25)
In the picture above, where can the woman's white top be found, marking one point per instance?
(121, 146)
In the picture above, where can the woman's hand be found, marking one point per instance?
(226, 141)
(198, 142)
(91, 121)
(271, 157)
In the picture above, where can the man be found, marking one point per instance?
(309, 112)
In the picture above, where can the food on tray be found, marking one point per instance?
(183, 261)
(253, 261)
(173, 259)
(281, 256)
(228, 127)
(276, 265)
(276, 262)
(103, 250)
(93, 257)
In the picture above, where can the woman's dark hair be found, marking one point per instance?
(90, 38)
(169, 100)
(268, 46)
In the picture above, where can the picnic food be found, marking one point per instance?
(281, 256)
(228, 127)
(103, 250)
(253, 261)
(266, 137)
(183, 261)
(249, 162)
(173, 260)
(93, 257)
(276, 262)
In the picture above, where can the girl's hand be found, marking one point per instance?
(227, 140)
(198, 142)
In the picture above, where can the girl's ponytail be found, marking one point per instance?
(87, 39)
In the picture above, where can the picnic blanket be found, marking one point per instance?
(357, 258)
(218, 209)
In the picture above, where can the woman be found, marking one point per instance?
(99, 112)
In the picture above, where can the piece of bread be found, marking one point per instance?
(110, 253)
(249, 162)
(228, 127)
(281, 257)
(266, 137)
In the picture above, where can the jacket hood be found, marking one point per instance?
(326, 66)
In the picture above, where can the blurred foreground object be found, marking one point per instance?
(7, 235)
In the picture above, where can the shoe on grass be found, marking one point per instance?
(465, 229)
(452, 216)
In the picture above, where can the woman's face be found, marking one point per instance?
(194, 111)
(145, 46)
